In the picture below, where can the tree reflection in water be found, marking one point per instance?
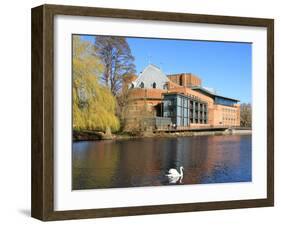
(145, 162)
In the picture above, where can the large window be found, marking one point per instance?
(224, 101)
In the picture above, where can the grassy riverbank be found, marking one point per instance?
(92, 135)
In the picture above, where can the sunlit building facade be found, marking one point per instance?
(179, 100)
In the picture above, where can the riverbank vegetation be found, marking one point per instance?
(246, 115)
(93, 103)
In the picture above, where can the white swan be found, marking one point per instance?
(174, 180)
(173, 173)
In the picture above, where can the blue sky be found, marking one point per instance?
(223, 66)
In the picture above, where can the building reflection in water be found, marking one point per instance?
(145, 162)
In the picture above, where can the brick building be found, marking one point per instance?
(158, 101)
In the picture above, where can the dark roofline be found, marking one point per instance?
(174, 93)
(212, 94)
(192, 97)
(182, 73)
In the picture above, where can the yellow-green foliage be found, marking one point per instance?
(95, 108)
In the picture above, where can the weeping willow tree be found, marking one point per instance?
(93, 103)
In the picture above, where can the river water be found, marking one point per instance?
(146, 161)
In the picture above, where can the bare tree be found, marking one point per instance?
(246, 115)
(117, 58)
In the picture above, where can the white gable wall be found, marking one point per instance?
(151, 74)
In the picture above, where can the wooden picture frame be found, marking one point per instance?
(43, 117)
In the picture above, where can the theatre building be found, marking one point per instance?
(159, 101)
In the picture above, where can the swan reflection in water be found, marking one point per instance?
(174, 176)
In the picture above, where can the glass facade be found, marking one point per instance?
(224, 101)
(217, 99)
(184, 110)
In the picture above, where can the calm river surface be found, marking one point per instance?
(145, 162)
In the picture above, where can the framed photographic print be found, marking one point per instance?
(141, 112)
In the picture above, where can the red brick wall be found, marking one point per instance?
(139, 93)
(185, 79)
(226, 115)
(218, 115)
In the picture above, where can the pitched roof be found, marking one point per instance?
(151, 74)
